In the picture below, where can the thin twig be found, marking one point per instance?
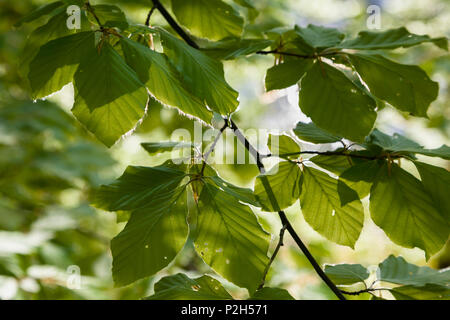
(260, 165)
(92, 11)
(340, 153)
(292, 54)
(368, 290)
(211, 149)
(285, 54)
(175, 26)
(147, 21)
(255, 154)
(274, 255)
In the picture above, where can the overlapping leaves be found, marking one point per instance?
(334, 99)
(332, 206)
(110, 89)
(223, 229)
(408, 281)
(181, 287)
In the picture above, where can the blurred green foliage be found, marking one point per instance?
(49, 163)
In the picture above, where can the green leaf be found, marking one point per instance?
(234, 48)
(335, 103)
(157, 228)
(397, 270)
(268, 293)
(138, 186)
(211, 176)
(286, 74)
(441, 152)
(39, 12)
(402, 145)
(57, 61)
(229, 238)
(281, 145)
(162, 79)
(203, 75)
(322, 209)
(242, 194)
(311, 133)
(319, 37)
(427, 292)
(158, 147)
(334, 164)
(346, 274)
(406, 87)
(280, 187)
(212, 19)
(55, 28)
(390, 39)
(181, 287)
(109, 97)
(110, 16)
(152, 237)
(245, 3)
(436, 181)
(400, 206)
(289, 41)
(361, 176)
(122, 216)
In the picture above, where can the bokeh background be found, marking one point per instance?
(49, 164)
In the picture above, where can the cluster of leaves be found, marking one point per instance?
(411, 282)
(344, 82)
(116, 72)
(412, 212)
(113, 74)
(217, 218)
(113, 70)
(224, 230)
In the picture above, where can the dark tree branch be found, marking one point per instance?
(292, 54)
(341, 153)
(285, 54)
(258, 158)
(175, 26)
(92, 11)
(147, 21)
(368, 290)
(255, 154)
(309, 256)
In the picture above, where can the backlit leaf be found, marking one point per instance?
(345, 274)
(212, 19)
(57, 61)
(280, 187)
(311, 133)
(282, 145)
(286, 74)
(335, 104)
(162, 79)
(390, 39)
(322, 208)
(397, 270)
(406, 87)
(109, 97)
(226, 231)
(436, 181)
(203, 75)
(400, 205)
(181, 287)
